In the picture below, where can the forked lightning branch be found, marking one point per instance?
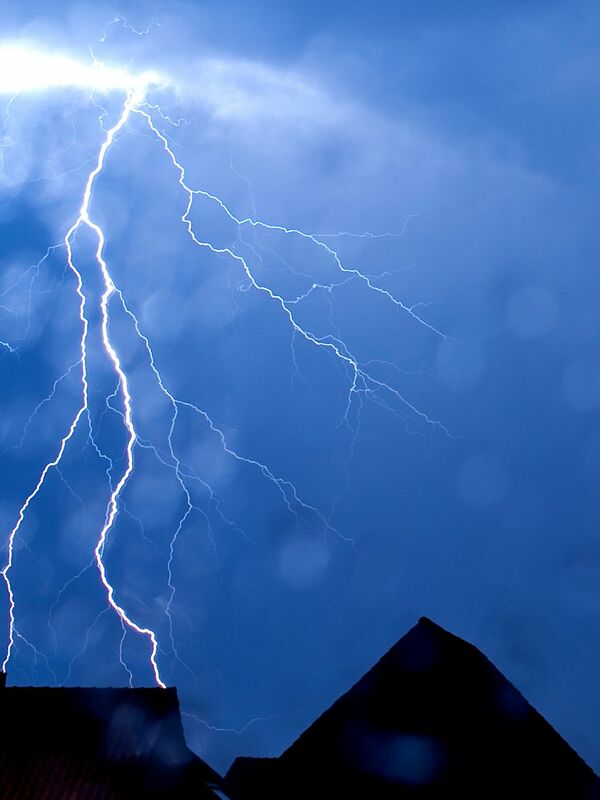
(30, 69)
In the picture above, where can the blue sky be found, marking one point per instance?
(470, 131)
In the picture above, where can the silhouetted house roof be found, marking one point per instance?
(433, 718)
(72, 744)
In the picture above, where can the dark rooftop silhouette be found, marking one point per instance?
(96, 743)
(433, 718)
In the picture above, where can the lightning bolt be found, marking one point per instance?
(363, 383)
(84, 220)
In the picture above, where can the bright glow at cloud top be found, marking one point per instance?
(24, 68)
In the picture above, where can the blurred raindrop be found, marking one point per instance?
(532, 312)
(406, 758)
(303, 562)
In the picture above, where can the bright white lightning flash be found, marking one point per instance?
(25, 69)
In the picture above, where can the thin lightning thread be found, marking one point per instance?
(45, 401)
(126, 25)
(34, 271)
(22, 511)
(238, 731)
(353, 272)
(5, 139)
(57, 459)
(84, 646)
(37, 656)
